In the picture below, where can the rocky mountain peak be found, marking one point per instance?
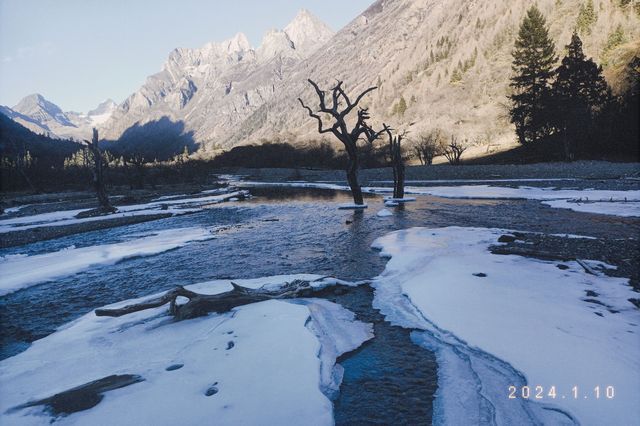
(307, 32)
(36, 103)
(38, 108)
(274, 43)
(105, 107)
(237, 44)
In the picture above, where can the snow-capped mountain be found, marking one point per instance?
(209, 90)
(42, 116)
(102, 112)
(41, 110)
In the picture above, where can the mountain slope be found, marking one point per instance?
(17, 139)
(450, 62)
(42, 116)
(209, 91)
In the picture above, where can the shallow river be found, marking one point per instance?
(285, 231)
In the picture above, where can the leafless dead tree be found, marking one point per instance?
(429, 146)
(397, 163)
(339, 110)
(454, 151)
(98, 174)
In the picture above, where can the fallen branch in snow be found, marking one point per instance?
(527, 252)
(588, 269)
(544, 255)
(202, 304)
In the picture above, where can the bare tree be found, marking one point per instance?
(429, 146)
(397, 163)
(454, 151)
(98, 174)
(340, 127)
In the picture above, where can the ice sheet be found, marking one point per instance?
(67, 217)
(625, 209)
(20, 271)
(262, 363)
(528, 319)
(610, 202)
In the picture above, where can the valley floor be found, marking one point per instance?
(501, 295)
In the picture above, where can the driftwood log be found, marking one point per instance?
(203, 304)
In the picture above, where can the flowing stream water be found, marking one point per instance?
(285, 231)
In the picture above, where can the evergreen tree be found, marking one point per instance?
(401, 107)
(580, 94)
(586, 17)
(625, 123)
(533, 60)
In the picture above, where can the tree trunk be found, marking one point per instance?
(98, 175)
(395, 177)
(356, 190)
(566, 142)
(352, 178)
(398, 167)
(399, 190)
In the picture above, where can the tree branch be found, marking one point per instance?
(351, 106)
(317, 117)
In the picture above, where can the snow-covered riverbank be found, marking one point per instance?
(174, 205)
(20, 271)
(264, 363)
(291, 231)
(498, 321)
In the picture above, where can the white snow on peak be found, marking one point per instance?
(38, 108)
(105, 107)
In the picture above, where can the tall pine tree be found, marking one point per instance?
(580, 94)
(533, 61)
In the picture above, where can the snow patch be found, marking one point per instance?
(620, 208)
(610, 202)
(19, 272)
(173, 206)
(501, 320)
(263, 363)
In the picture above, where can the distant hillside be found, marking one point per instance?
(448, 61)
(43, 117)
(206, 92)
(17, 139)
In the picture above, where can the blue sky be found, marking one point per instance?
(79, 52)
